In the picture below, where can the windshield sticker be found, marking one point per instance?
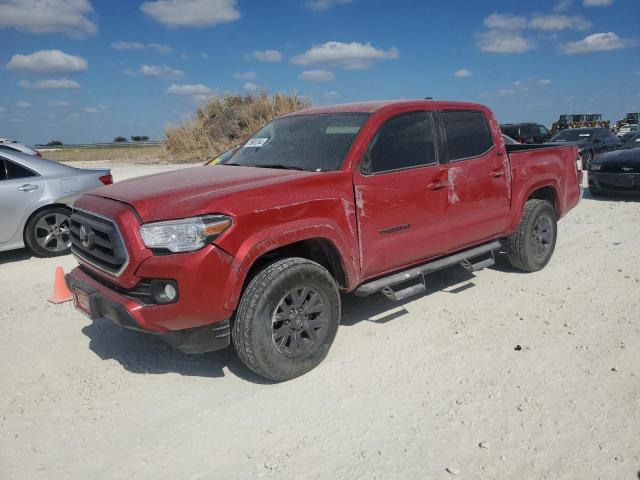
(343, 130)
(256, 142)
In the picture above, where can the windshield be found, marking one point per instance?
(572, 136)
(633, 142)
(301, 142)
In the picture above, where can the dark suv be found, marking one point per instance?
(526, 132)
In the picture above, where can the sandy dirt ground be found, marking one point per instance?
(407, 391)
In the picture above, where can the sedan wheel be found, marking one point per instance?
(47, 233)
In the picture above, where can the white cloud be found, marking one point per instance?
(23, 104)
(191, 13)
(317, 75)
(267, 55)
(251, 75)
(505, 21)
(544, 81)
(559, 22)
(160, 71)
(321, 5)
(498, 41)
(122, 45)
(96, 109)
(350, 56)
(332, 95)
(58, 103)
(250, 86)
(597, 42)
(48, 16)
(597, 3)
(47, 61)
(186, 89)
(562, 6)
(53, 84)
(506, 91)
(463, 72)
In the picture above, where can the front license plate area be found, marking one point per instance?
(82, 301)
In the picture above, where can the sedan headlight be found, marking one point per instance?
(596, 166)
(184, 235)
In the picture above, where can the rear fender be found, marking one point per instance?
(524, 193)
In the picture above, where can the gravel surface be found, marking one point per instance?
(434, 387)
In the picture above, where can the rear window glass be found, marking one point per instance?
(16, 171)
(467, 134)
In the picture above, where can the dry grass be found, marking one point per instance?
(129, 154)
(224, 122)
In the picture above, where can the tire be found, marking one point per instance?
(587, 159)
(272, 333)
(531, 246)
(47, 233)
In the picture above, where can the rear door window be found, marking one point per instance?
(402, 142)
(467, 134)
(15, 171)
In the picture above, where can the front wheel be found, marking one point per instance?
(47, 233)
(530, 247)
(287, 319)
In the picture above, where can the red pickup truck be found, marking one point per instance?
(362, 198)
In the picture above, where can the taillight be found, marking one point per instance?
(106, 179)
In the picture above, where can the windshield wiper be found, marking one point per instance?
(278, 165)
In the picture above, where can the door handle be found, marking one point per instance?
(438, 185)
(497, 173)
(27, 187)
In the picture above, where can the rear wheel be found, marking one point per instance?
(47, 233)
(530, 247)
(287, 319)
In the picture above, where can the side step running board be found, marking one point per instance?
(385, 284)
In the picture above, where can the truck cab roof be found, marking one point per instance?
(382, 105)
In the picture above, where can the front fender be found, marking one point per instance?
(281, 235)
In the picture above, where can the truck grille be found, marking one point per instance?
(97, 241)
(615, 168)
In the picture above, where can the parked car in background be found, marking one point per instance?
(526, 132)
(508, 140)
(364, 198)
(13, 146)
(617, 171)
(35, 199)
(590, 142)
(627, 131)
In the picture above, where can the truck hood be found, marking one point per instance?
(192, 191)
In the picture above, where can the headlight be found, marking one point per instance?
(184, 235)
(596, 166)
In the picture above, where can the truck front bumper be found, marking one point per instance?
(105, 302)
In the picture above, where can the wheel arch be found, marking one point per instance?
(544, 190)
(319, 249)
(37, 211)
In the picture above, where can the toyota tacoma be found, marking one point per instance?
(361, 198)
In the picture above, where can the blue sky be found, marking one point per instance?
(87, 71)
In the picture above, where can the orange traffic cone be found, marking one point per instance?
(61, 292)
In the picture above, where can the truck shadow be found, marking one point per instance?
(145, 354)
(379, 309)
